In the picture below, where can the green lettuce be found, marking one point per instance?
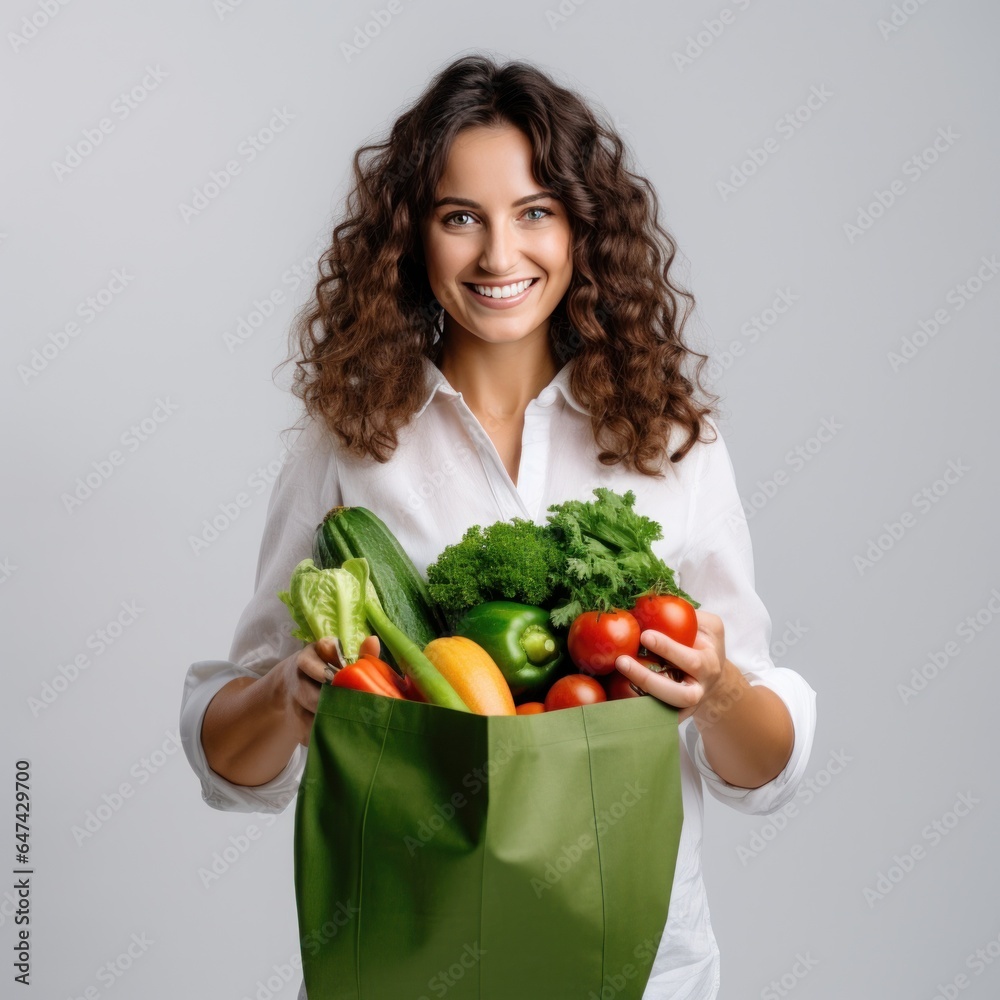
(329, 602)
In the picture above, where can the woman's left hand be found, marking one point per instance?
(702, 665)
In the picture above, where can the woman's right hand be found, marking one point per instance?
(253, 725)
(299, 678)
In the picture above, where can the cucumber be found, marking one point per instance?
(351, 532)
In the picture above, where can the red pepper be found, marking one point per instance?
(368, 673)
(403, 684)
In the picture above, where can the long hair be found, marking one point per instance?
(359, 343)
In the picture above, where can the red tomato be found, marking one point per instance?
(597, 638)
(530, 708)
(573, 690)
(669, 614)
(618, 687)
(617, 684)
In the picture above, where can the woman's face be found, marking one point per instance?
(493, 226)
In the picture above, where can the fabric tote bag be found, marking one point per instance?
(484, 857)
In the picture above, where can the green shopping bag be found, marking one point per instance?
(486, 857)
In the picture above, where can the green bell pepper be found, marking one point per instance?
(519, 639)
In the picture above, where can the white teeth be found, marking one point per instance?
(503, 291)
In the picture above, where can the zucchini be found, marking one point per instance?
(353, 532)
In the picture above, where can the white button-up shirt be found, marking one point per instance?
(447, 475)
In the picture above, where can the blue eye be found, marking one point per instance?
(449, 220)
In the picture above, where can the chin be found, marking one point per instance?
(504, 337)
(503, 329)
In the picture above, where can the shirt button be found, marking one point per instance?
(547, 397)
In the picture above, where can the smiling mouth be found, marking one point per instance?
(508, 291)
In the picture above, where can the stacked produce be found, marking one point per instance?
(514, 618)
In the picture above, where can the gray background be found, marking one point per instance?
(861, 631)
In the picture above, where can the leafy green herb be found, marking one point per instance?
(590, 556)
(509, 560)
(608, 556)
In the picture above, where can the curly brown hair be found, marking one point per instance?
(361, 340)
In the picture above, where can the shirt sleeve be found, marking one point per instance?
(306, 487)
(717, 570)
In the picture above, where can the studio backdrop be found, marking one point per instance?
(170, 177)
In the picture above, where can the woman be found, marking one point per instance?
(495, 330)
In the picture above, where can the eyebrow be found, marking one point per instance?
(468, 203)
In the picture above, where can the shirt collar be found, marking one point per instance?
(435, 383)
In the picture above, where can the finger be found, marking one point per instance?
(304, 712)
(308, 688)
(674, 652)
(328, 648)
(319, 663)
(680, 694)
(707, 621)
(711, 632)
(372, 646)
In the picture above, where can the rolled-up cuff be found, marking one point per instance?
(800, 700)
(203, 681)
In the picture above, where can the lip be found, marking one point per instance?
(507, 303)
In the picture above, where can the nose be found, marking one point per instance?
(500, 251)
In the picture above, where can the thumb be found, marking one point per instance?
(372, 646)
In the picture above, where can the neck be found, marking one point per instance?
(498, 381)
